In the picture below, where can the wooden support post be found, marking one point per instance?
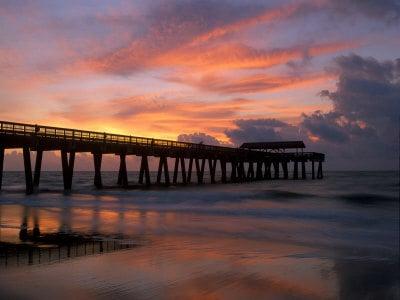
(276, 169)
(285, 169)
(166, 172)
(176, 170)
(189, 172)
(312, 170)
(200, 169)
(160, 169)
(241, 171)
(97, 158)
(250, 171)
(68, 168)
(267, 171)
(212, 164)
(38, 168)
(144, 170)
(223, 170)
(163, 165)
(1, 165)
(71, 164)
(296, 170)
(259, 173)
(319, 172)
(303, 170)
(64, 165)
(183, 170)
(123, 172)
(234, 171)
(28, 170)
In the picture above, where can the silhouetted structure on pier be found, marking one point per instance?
(71, 141)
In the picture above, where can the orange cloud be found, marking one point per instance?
(251, 84)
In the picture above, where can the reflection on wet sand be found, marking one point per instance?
(37, 247)
(209, 244)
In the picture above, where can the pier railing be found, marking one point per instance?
(102, 137)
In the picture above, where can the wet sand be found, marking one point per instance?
(265, 240)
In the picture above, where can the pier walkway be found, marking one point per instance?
(250, 162)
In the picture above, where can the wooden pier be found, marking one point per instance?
(250, 162)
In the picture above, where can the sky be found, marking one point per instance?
(221, 72)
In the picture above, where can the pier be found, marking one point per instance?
(249, 162)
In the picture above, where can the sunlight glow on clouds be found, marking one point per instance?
(177, 68)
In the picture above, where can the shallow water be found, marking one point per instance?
(314, 239)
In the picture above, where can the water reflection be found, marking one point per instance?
(243, 242)
(34, 246)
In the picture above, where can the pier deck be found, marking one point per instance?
(238, 161)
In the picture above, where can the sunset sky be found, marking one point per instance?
(326, 72)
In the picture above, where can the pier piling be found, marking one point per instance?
(38, 168)
(97, 158)
(1, 165)
(28, 170)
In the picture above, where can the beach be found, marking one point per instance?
(336, 238)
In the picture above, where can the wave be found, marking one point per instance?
(367, 198)
(280, 194)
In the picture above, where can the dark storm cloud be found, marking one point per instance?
(388, 10)
(363, 125)
(325, 125)
(366, 101)
(364, 122)
(257, 130)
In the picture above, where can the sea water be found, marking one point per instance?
(278, 239)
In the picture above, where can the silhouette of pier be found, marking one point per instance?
(250, 162)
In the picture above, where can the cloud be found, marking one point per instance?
(387, 10)
(366, 105)
(256, 83)
(199, 137)
(366, 101)
(259, 130)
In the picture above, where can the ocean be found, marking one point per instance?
(336, 238)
